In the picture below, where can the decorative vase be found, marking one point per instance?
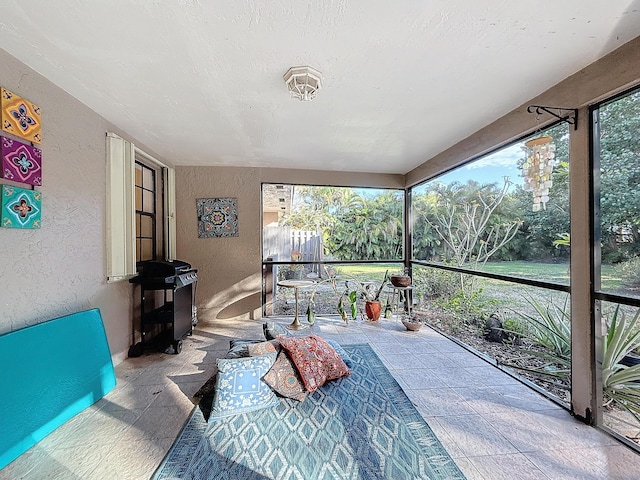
(400, 280)
(373, 308)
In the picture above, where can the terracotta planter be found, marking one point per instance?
(413, 326)
(400, 280)
(373, 308)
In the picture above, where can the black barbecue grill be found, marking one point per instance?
(167, 299)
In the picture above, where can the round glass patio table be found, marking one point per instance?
(296, 285)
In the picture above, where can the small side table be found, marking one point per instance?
(296, 285)
(407, 294)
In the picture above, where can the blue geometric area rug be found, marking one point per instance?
(358, 427)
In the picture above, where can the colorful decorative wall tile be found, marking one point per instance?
(20, 117)
(20, 162)
(21, 208)
(217, 217)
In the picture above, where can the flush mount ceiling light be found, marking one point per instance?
(303, 82)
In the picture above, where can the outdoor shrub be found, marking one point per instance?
(549, 330)
(473, 307)
(629, 272)
(550, 327)
(513, 329)
(435, 282)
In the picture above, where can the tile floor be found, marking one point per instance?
(493, 426)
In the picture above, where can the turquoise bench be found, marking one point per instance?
(48, 373)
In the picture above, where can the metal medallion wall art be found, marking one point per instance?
(217, 217)
(20, 162)
(21, 208)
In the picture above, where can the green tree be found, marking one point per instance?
(370, 230)
(354, 226)
(619, 123)
(471, 224)
(425, 238)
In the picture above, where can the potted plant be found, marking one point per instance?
(354, 289)
(412, 322)
(401, 278)
(370, 291)
(295, 271)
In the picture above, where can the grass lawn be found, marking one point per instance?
(364, 272)
(545, 272)
(551, 272)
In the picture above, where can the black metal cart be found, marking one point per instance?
(167, 293)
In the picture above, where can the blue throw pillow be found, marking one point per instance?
(342, 352)
(273, 329)
(239, 386)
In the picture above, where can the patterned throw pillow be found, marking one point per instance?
(239, 386)
(238, 347)
(342, 352)
(273, 329)
(284, 379)
(261, 348)
(316, 361)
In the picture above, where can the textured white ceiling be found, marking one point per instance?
(200, 82)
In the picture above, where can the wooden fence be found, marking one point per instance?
(279, 243)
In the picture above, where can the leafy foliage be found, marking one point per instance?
(549, 328)
(619, 123)
(434, 282)
(370, 229)
(354, 226)
(469, 223)
(629, 271)
(621, 383)
(473, 308)
(514, 329)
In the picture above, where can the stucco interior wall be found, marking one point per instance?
(229, 278)
(229, 268)
(61, 267)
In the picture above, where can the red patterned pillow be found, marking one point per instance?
(283, 378)
(316, 360)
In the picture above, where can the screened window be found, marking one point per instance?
(146, 208)
(317, 224)
(617, 260)
(504, 213)
(490, 256)
(618, 156)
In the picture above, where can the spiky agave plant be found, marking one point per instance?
(620, 382)
(549, 328)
